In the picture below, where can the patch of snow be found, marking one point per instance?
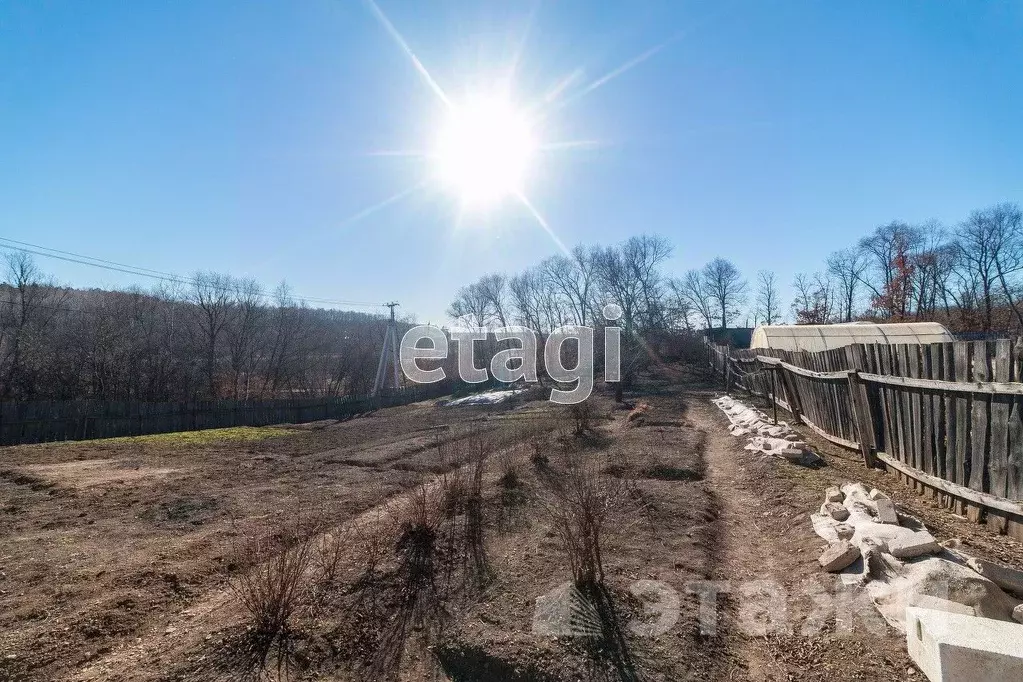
(485, 398)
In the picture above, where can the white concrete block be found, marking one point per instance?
(886, 511)
(839, 555)
(953, 647)
(925, 601)
(913, 545)
(835, 510)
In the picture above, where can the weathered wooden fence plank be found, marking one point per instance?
(998, 455)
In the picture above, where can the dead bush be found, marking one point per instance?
(580, 505)
(582, 416)
(539, 437)
(508, 469)
(638, 414)
(333, 548)
(478, 567)
(419, 603)
(274, 585)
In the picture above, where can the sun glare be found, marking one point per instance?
(484, 151)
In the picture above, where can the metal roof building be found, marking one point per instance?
(818, 337)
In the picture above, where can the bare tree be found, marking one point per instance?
(1006, 222)
(988, 244)
(814, 298)
(889, 251)
(493, 289)
(242, 333)
(848, 267)
(693, 287)
(473, 305)
(211, 298)
(29, 305)
(727, 289)
(573, 278)
(768, 304)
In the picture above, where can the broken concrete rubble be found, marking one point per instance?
(833, 494)
(885, 511)
(1009, 579)
(839, 555)
(903, 564)
(835, 510)
(778, 440)
(915, 545)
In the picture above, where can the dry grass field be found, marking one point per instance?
(423, 542)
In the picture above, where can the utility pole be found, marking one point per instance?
(389, 352)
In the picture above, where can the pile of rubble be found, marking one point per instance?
(901, 564)
(777, 440)
(956, 611)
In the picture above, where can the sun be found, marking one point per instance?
(484, 150)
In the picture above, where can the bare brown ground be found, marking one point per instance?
(116, 556)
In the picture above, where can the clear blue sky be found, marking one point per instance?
(243, 136)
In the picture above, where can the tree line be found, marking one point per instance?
(969, 277)
(214, 336)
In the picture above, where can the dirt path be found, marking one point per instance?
(775, 624)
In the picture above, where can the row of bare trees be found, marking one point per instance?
(968, 276)
(213, 337)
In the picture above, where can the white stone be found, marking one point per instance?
(839, 555)
(794, 456)
(1017, 613)
(926, 601)
(951, 647)
(876, 494)
(835, 511)
(1009, 579)
(886, 511)
(833, 494)
(914, 545)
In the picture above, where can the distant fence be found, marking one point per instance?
(45, 421)
(948, 417)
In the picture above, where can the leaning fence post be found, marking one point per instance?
(862, 418)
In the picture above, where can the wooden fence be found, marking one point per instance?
(947, 417)
(45, 421)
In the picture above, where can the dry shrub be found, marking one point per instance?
(419, 523)
(475, 540)
(581, 503)
(582, 416)
(509, 479)
(274, 585)
(539, 437)
(333, 548)
(638, 414)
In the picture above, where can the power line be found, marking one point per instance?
(71, 257)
